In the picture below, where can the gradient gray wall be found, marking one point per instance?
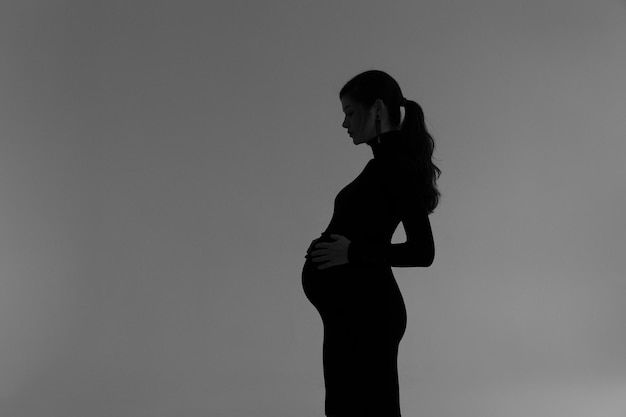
(165, 165)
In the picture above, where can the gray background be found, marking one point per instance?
(165, 165)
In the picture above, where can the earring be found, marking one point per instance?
(377, 123)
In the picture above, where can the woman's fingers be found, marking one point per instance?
(312, 244)
(325, 265)
(320, 255)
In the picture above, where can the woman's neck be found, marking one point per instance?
(387, 142)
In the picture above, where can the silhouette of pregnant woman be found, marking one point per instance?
(347, 275)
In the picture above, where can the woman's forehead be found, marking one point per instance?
(347, 102)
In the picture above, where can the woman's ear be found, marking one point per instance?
(379, 106)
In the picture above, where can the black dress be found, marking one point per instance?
(360, 304)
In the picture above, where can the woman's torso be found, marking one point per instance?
(362, 211)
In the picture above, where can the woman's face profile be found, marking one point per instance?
(360, 127)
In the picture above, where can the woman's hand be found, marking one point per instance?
(311, 246)
(331, 253)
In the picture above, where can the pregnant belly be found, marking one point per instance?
(327, 286)
(371, 293)
(345, 286)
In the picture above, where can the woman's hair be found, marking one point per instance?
(369, 86)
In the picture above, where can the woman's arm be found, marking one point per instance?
(419, 248)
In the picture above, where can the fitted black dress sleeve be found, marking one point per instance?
(403, 191)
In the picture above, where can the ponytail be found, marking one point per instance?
(421, 146)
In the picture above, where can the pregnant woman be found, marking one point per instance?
(347, 275)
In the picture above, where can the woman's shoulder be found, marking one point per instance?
(398, 173)
(395, 164)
